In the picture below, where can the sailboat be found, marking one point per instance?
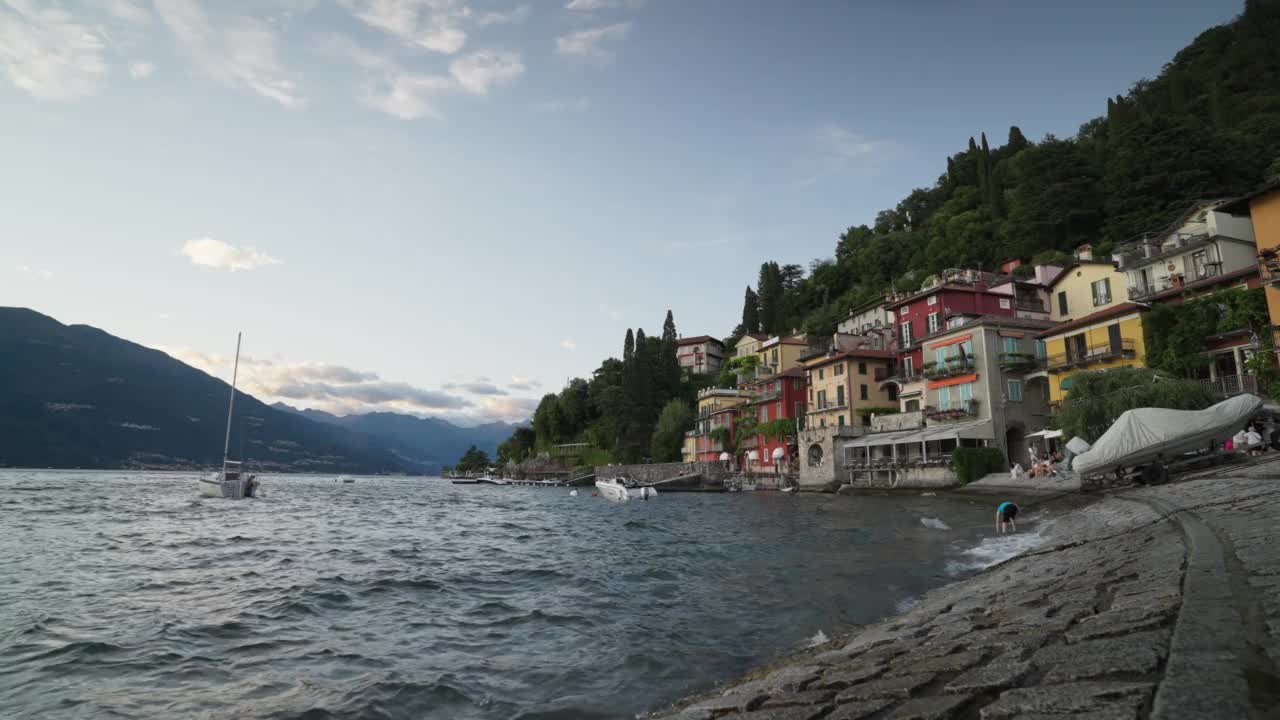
(231, 483)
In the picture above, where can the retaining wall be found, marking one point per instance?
(713, 473)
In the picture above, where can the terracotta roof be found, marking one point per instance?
(842, 354)
(980, 320)
(1121, 309)
(795, 372)
(1075, 264)
(698, 339)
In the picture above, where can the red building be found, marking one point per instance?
(772, 398)
(717, 408)
(924, 312)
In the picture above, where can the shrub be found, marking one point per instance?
(973, 463)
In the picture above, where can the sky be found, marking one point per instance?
(451, 207)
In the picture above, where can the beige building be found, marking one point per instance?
(1087, 287)
(782, 353)
(842, 382)
(701, 355)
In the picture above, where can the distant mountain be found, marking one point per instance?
(426, 440)
(75, 396)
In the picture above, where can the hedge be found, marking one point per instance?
(973, 463)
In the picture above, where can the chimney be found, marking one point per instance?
(1084, 252)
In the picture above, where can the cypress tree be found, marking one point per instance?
(751, 312)
(628, 348)
(670, 364)
(1017, 141)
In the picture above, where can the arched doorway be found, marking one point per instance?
(1015, 443)
(815, 455)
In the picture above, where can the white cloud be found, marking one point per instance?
(845, 144)
(431, 24)
(128, 10)
(563, 105)
(519, 382)
(407, 96)
(478, 387)
(519, 14)
(141, 70)
(34, 272)
(591, 43)
(243, 55)
(45, 52)
(208, 252)
(476, 72)
(569, 345)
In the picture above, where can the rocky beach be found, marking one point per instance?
(1148, 603)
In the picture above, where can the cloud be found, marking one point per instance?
(34, 272)
(126, 10)
(46, 53)
(523, 383)
(407, 96)
(208, 252)
(518, 14)
(591, 43)
(476, 72)
(242, 55)
(141, 70)
(562, 105)
(431, 24)
(477, 388)
(569, 345)
(845, 145)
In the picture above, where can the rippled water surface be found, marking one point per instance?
(126, 595)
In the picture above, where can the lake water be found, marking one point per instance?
(125, 595)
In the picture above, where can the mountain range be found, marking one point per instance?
(74, 396)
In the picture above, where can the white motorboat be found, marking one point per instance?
(618, 490)
(489, 478)
(231, 482)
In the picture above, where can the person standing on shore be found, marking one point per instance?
(1005, 515)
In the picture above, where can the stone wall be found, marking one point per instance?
(713, 473)
(822, 457)
(931, 478)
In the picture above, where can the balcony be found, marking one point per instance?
(1230, 385)
(1147, 251)
(956, 411)
(826, 407)
(1125, 350)
(1030, 305)
(1020, 362)
(951, 367)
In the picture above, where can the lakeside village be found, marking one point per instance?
(964, 376)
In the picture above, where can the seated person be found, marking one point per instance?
(1253, 442)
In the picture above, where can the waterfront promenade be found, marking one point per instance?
(1150, 603)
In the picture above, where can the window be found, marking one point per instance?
(893, 392)
(1062, 303)
(764, 414)
(820, 373)
(822, 422)
(1101, 291)
(913, 405)
(1011, 345)
(822, 399)
(862, 368)
(1005, 303)
(840, 420)
(905, 333)
(934, 322)
(839, 370)
(933, 300)
(1015, 391)
(810, 396)
(966, 393)
(940, 356)
(1199, 260)
(862, 392)
(944, 398)
(775, 357)
(808, 377)
(966, 348)
(908, 366)
(840, 396)
(1041, 352)
(799, 415)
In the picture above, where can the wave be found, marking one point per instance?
(819, 638)
(995, 550)
(934, 523)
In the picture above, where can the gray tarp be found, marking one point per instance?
(1137, 436)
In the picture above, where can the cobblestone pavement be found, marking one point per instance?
(1151, 603)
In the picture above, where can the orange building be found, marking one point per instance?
(1263, 206)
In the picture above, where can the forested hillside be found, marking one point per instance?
(1207, 126)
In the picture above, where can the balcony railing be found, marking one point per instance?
(1229, 385)
(826, 406)
(954, 411)
(1030, 305)
(1020, 362)
(952, 366)
(1093, 354)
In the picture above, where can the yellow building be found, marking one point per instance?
(1264, 209)
(748, 344)
(840, 383)
(1098, 328)
(781, 353)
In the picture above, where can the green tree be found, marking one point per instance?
(750, 312)
(668, 435)
(472, 460)
(519, 447)
(1097, 398)
(1055, 202)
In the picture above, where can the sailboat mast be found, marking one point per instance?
(226, 444)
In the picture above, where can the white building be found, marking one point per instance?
(1203, 243)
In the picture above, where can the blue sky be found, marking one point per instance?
(449, 207)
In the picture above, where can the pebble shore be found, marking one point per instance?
(1149, 603)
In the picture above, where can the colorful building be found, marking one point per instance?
(1096, 327)
(771, 398)
(1211, 240)
(701, 355)
(1263, 207)
(717, 408)
(840, 383)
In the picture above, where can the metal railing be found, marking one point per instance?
(1092, 354)
(952, 366)
(1030, 305)
(1020, 362)
(1229, 385)
(954, 411)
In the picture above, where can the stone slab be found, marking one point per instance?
(943, 707)
(990, 677)
(859, 710)
(808, 697)
(901, 687)
(1067, 699)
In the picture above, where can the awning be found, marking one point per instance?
(1046, 434)
(977, 430)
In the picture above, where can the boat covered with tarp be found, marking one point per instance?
(1138, 436)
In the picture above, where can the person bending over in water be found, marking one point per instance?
(1005, 515)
